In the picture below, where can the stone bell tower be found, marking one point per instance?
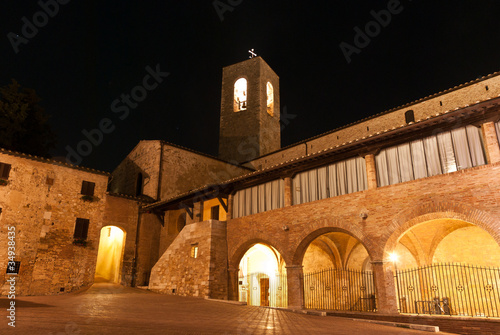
(250, 111)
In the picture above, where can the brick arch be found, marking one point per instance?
(406, 220)
(321, 228)
(242, 248)
(116, 224)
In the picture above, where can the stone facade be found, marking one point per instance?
(181, 272)
(42, 200)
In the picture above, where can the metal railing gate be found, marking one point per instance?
(340, 290)
(449, 289)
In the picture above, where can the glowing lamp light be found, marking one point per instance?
(393, 257)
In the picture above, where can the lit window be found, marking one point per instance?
(270, 99)
(240, 95)
(194, 250)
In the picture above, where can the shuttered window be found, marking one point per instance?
(88, 188)
(81, 229)
(4, 171)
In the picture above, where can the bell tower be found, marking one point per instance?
(250, 111)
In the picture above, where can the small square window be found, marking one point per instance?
(4, 171)
(194, 250)
(81, 229)
(49, 181)
(88, 188)
(13, 269)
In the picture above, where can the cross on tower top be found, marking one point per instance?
(252, 53)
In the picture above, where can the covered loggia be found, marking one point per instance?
(110, 254)
(262, 277)
(337, 274)
(447, 266)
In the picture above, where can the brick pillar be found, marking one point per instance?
(295, 283)
(371, 172)
(232, 285)
(385, 284)
(229, 214)
(491, 142)
(288, 191)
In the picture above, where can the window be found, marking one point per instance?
(49, 181)
(4, 171)
(215, 212)
(240, 95)
(194, 250)
(409, 116)
(81, 229)
(13, 269)
(138, 186)
(270, 99)
(88, 188)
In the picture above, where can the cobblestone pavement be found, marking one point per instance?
(113, 309)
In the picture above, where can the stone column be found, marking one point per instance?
(229, 214)
(371, 172)
(232, 285)
(386, 289)
(288, 191)
(491, 142)
(295, 283)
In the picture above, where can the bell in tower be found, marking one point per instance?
(250, 111)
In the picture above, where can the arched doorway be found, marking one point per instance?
(110, 254)
(337, 274)
(262, 277)
(447, 266)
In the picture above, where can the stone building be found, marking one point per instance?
(398, 212)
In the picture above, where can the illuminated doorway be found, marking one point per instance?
(262, 277)
(110, 254)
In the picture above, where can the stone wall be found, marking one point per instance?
(44, 212)
(177, 272)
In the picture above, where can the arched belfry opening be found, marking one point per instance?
(270, 98)
(139, 184)
(240, 95)
(447, 266)
(110, 254)
(262, 277)
(338, 274)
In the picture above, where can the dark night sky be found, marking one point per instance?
(91, 52)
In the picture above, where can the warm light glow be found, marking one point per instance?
(270, 99)
(109, 256)
(393, 257)
(240, 95)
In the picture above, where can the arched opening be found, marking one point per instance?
(262, 277)
(240, 95)
(447, 266)
(110, 254)
(337, 274)
(270, 99)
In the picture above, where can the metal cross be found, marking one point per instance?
(252, 53)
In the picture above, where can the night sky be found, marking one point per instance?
(90, 53)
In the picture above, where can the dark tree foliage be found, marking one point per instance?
(23, 122)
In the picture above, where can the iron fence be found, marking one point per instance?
(340, 290)
(449, 289)
(260, 289)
